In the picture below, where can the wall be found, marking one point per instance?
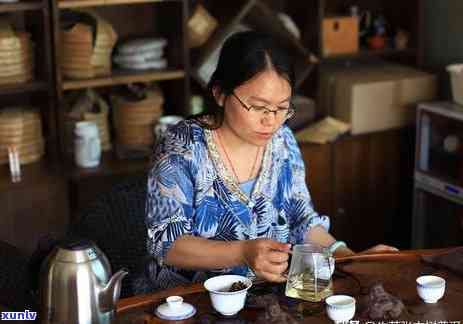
(442, 33)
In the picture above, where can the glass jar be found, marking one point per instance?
(310, 272)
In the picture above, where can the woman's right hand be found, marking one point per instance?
(267, 258)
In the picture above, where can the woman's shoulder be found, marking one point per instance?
(184, 139)
(186, 133)
(285, 137)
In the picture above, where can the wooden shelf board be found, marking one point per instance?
(96, 3)
(23, 87)
(367, 52)
(39, 173)
(20, 6)
(110, 165)
(124, 77)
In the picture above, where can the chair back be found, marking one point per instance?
(116, 223)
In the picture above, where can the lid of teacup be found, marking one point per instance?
(175, 309)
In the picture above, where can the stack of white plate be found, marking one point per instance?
(142, 54)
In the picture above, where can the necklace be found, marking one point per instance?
(219, 137)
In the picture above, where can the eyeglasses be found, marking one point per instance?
(262, 111)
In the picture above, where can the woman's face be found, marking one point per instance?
(265, 93)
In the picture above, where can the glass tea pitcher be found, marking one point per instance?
(310, 272)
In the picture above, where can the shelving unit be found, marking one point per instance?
(42, 189)
(437, 176)
(130, 19)
(367, 53)
(119, 77)
(22, 6)
(68, 4)
(309, 15)
(258, 15)
(33, 16)
(109, 167)
(27, 87)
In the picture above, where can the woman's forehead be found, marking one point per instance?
(267, 85)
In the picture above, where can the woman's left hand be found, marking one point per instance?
(380, 248)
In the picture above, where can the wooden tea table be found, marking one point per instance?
(396, 271)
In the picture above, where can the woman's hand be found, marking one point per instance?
(267, 258)
(380, 248)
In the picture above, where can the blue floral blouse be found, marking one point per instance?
(190, 192)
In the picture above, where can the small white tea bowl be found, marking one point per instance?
(340, 308)
(430, 288)
(227, 302)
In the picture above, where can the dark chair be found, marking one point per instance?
(115, 222)
(15, 279)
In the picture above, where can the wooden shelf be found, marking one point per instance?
(98, 3)
(124, 77)
(20, 6)
(110, 166)
(372, 53)
(23, 87)
(35, 174)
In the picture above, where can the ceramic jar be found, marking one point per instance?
(87, 146)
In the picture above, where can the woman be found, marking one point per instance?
(227, 192)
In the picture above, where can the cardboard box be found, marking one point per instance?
(375, 98)
(340, 35)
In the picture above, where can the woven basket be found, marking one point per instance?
(83, 57)
(200, 26)
(21, 128)
(134, 120)
(81, 109)
(16, 55)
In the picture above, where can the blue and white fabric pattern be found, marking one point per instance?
(190, 192)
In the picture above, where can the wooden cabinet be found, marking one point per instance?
(364, 183)
(39, 203)
(319, 175)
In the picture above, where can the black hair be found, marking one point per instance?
(243, 55)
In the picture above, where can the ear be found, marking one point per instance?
(218, 96)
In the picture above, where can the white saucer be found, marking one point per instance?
(175, 309)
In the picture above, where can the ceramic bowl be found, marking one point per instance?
(340, 308)
(225, 302)
(430, 288)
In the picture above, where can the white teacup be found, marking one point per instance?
(340, 308)
(164, 122)
(430, 288)
(225, 302)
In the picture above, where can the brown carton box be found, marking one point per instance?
(340, 35)
(375, 98)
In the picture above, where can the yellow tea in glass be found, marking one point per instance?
(309, 276)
